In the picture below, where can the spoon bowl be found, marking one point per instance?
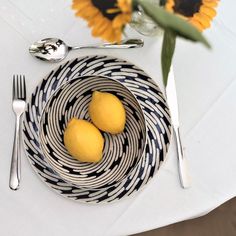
(49, 49)
(55, 50)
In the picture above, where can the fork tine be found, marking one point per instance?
(13, 87)
(24, 88)
(21, 87)
(17, 86)
(16, 89)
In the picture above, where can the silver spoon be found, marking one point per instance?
(55, 50)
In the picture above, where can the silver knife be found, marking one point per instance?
(173, 105)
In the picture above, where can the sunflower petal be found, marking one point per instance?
(197, 24)
(81, 4)
(98, 30)
(169, 4)
(125, 5)
(109, 35)
(210, 3)
(203, 19)
(208, 11)
(120, 20)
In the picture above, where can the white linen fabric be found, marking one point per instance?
(206, 84)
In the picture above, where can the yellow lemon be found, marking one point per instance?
(107, 112)
(83, 140)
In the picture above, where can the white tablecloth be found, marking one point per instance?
(206, 83)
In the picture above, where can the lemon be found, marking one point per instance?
(83, 140)
(107, 112)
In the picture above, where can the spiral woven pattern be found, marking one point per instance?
(154, 108)
(121, 153)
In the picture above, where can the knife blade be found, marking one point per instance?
(172, 98)
(173, 106)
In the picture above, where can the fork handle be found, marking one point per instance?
(14, 181)
(182, 162)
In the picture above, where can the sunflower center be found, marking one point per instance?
(187, 7)
(104, 5)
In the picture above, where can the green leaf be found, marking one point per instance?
(172, 22)
(168, 48)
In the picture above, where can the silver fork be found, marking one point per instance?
(18, 104)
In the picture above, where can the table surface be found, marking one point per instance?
(206, 85)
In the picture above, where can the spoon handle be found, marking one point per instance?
(128, 43)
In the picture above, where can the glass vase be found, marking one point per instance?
(143, 24)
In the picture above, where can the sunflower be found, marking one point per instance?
(107, 18)
(198, 12)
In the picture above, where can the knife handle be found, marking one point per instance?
(182, 162)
